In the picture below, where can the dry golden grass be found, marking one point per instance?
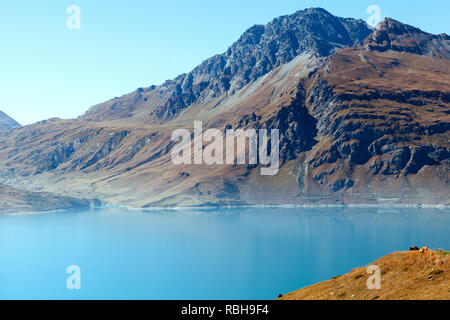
(404, 276)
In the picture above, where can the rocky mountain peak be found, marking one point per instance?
(258, 51)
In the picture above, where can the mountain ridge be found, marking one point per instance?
(7, 123)
(367, 124)
(19, 201)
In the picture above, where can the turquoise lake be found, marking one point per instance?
(211, 254)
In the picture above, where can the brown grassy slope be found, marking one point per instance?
(394, 101)
(404, 276)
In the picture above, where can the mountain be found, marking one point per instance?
(19, 201)
(7, 123)
(363, 116)
(260, 50)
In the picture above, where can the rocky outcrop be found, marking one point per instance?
(260, 50)
(377, 125)
(297, 127)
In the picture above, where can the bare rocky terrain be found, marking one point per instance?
(363, 114)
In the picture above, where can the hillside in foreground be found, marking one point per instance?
(363, 116)
(404, 276)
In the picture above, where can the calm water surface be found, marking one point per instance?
(215, 254)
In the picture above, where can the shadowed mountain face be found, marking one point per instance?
(364, 117)
(7, 123)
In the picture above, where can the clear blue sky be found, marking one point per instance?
(47, 70)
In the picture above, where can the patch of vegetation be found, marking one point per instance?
(359, 276)
(336, 277)
(376, 298)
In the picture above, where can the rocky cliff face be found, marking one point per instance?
(383, 110)
(364, 117)
(7, 123)
(19, 201)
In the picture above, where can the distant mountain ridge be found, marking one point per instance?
(394, 35)
(259, 50)
(7, 123)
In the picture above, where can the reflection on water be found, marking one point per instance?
(208, 254)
